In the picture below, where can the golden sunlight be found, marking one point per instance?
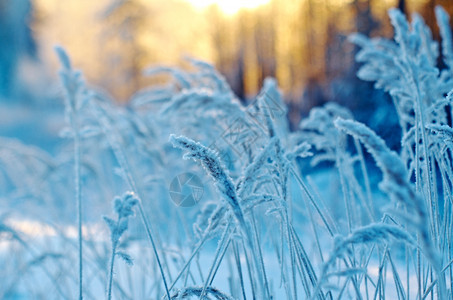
(229, 7)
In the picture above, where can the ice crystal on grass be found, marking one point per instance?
(397, 186)
(123, 208)
(318, 130)
(189, 292)
(216, 169)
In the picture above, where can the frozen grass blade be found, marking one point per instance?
(237, 259)
(123, 208)
(224, 240)
(395, 183)
(74, 96)
(443, 21)
(188, 292)
(373, 233)
(213, 222)
(213, 166)
(120, 156)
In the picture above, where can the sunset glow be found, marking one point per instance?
(229, 7)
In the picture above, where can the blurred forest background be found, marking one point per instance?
(302, 43)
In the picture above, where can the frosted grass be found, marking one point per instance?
(291, 215)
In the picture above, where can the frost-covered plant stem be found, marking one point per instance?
(397, 186)
(223, 241)
(153, 244)
(216, 215)
(420, 118)
(399, 23)
(74, 100)
(211, 162)
(112, 262)
(78, 196)
(111, 135)
(123, 207)
(368, 203)
(346, 198)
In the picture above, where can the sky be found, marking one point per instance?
(229, 7)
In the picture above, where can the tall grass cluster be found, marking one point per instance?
(327, 211)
